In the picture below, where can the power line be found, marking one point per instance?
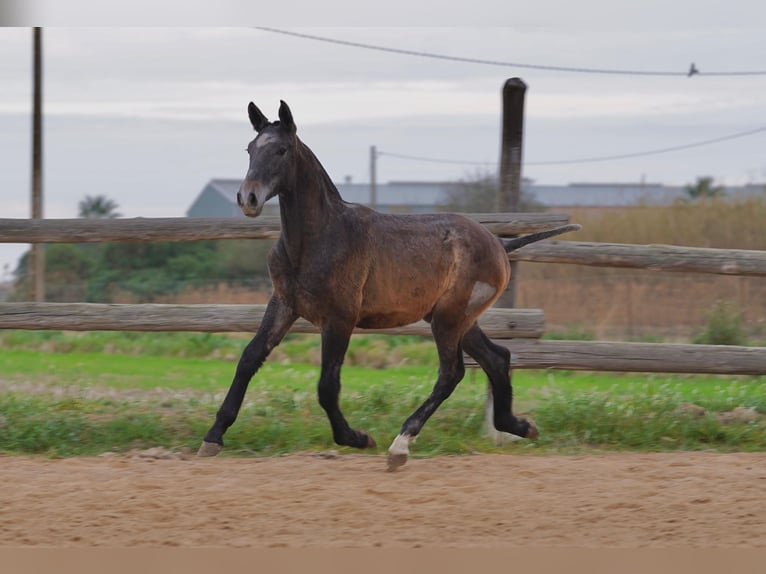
(587, 159)
(693, 70)
(650, 152)
(434, 159)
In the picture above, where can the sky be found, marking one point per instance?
(146, 113)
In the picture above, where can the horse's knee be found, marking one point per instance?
(457, 373)
(451, 372)
(250, 361)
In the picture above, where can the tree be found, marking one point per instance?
(704, 188)
(478, 192)
(98, 207)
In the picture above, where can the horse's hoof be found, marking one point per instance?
(370, 442)
(532, 432)
(209, 449)
(396, 460)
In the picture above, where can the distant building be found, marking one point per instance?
(604, 194)
(400, 196)
(218, 197)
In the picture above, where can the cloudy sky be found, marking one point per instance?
(147, 115)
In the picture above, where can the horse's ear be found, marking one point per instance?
(286, 116)
(257, 118)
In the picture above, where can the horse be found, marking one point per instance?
(343, 265)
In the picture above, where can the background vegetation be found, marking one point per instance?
(95, 397)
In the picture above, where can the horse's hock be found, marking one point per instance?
(504, 331)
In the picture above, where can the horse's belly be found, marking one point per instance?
(394, 300)
(387, 320)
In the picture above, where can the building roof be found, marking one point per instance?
(217, 199)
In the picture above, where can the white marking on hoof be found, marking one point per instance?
(399, 451)
(499, 438)
(209, 449)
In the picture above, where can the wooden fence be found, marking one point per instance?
(518, 329)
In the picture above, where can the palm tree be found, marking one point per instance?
(98, 207)
(704, 188)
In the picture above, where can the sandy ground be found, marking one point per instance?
(696, 500)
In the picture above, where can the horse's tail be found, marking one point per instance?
(517, 242)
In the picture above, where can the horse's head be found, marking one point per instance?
(272, 159)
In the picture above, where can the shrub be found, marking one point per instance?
(724, 326)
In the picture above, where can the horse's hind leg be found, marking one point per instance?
(451, 371)
(276, 323)
(495, 360)
(335, 341)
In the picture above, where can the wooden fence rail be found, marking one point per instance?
(654, 257)
(516, 329)
(145, 230)
(636, 357)
(523, 323)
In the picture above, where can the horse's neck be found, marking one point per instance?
(307, 211)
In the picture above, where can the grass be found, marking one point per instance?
(84, 403)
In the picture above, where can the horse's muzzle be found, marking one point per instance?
(248, 202)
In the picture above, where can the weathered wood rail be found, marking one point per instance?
(653, 257)
(636, 357)
(502, 323)
(516, 329)
(147, 230)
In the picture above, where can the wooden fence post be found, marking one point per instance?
(509, 179)
(508, 197)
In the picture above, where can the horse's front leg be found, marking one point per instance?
(277, 321)
(335, 341)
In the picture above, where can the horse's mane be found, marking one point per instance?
(325, 179)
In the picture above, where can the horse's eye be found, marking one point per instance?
(282, 151)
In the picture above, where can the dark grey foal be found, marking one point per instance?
(341, 265)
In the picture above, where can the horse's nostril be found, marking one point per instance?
(251, 199)
(239, 199)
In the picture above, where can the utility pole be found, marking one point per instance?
(373, 181)
(37, 262)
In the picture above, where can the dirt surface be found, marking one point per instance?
(309, 500)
